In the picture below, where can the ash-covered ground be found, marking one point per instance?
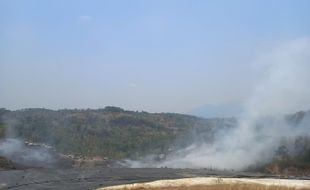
(92, 178)
(36, 166)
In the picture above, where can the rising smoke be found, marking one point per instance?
(23, 153)
(27, 156)
(282, 89)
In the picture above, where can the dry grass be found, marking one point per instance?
(217, 184)
(223, 187)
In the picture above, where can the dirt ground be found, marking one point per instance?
(216, 183)
(100, 177)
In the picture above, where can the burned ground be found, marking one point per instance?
(92, 178)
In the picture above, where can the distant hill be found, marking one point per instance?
(114, 133)
(110, 132)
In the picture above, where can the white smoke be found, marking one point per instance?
(283, 89)
(16, 150)
(284, 86)
(21, 152)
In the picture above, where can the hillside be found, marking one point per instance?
(110, 132)
(113, 133)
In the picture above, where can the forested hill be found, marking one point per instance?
(111, 132)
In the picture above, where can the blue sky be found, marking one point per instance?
(153, 55)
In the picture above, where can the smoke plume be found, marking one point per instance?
(23, 153)
(29, 156)
(283, 89)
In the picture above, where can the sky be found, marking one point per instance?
(151, 55)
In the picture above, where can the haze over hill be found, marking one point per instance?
(164, 57)
(141, 139)
(94, 92)
(111, 132)
(254, 138)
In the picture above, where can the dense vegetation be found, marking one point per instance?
(110, 132)
(115, 133)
